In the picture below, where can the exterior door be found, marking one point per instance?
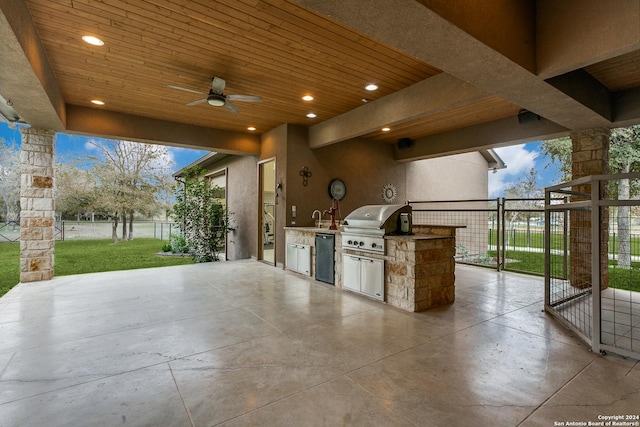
(267, 210)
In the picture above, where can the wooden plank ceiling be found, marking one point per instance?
(274, 49)
(277, 49)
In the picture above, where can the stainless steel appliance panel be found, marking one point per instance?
(325, 258)
(351, 272)
(372, 279)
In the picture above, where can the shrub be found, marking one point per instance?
(203, 217)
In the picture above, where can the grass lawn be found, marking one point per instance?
(533, 262)
(89, 256)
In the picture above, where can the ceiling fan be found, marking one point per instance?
(216, 96)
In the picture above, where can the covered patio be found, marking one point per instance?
(243, 343)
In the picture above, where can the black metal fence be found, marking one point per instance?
(85, 230)
(502, 233)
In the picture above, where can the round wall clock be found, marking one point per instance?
(337, 189)
(389, 193)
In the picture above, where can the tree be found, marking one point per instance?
(74, 189)
(9, 180)
(524, 188)
(624, 157)
(128, 174)
(559, 151)
(204, 219)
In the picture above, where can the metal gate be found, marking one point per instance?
(599, 296)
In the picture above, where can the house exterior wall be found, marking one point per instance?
(242, 190)
(457, 177)
(365, 167)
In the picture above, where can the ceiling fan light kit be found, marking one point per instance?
(215, 100)
(216, 96)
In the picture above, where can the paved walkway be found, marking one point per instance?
(245, 344)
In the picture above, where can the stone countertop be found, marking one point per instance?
(439, 226)
(388, 236)
(314, 230)
(415, 236)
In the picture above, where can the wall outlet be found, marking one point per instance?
(293, 211)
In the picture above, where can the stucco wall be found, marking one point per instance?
(458, 177)
(364, 166)
(242, 190)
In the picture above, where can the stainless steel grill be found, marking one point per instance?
(365, 227)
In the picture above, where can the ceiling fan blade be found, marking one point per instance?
(245, 98)
(217, 85)
(186, 89)
(229, 106)
(196, 102)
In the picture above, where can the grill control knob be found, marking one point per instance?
(349, 242)
(373, 245)
(361, 243)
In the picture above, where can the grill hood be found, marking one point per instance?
(378, 219)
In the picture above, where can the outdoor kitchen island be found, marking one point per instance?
(419, 268)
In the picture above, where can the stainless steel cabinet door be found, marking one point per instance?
(292, 257)
(351, 272)
(372, 277)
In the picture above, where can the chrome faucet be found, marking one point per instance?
(313, 216)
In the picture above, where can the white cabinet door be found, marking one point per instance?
(292, 257)
(303, 263)
(372, 277)
(363, 275)
(351, 272)
(298, 258)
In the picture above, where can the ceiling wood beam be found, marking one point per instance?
(439, 93)
(573, 34)
(109, 124)
(584, 88)
(459, 54)
(26, 77)
(494, 134)
(626, 107)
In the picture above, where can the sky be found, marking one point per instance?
(69, 146)
(518, 158)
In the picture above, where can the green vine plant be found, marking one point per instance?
(203, 218)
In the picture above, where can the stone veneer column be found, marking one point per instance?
(590, 156)
(37, 214)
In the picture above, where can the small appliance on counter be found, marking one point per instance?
(405, 223)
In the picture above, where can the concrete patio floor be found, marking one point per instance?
(242, 343)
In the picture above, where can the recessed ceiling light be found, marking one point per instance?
(97, 102)
(371, 87)
(251, 128)
(307, 98)
(311, 115)
(93, 40)
(385, 129)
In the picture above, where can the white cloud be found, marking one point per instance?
(89, 146)
(519, 161)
